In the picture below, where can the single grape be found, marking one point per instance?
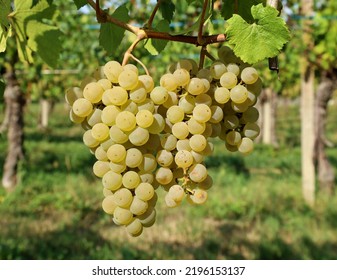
(116, 153)
(159, 95)
(202, 113)
(144, 118)
(82, 107)
(134, 157)
(128, 79)
(131, 179)
(100, 168)
(183, 159)
(93, 92)
(175, 114)
(228, 80)
(246, 146)
(109, 205)
(249, 75)
(144, 191)
(100, 131)
(180, 130)
(112, 70)
(198, 142)
(197, 172)
(122, 216)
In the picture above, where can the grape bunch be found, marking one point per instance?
(145, 135)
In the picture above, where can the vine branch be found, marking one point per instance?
(202, 21)
(149, 23)
(151, 34)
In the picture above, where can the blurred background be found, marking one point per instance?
(258, 207)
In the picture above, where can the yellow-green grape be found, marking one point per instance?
(94, 117)
(158, 124)
(115, 96)
(74, 118)
(107, 192)
(207, 85)
(147, 82)
(256, 87)
(195, 127)
(128, 79)
(175, 114)
(134, 158)
(109, 114)
(195, 86)
(222, 95)
(206, 184)
(233, 137)
(147, 104)
(198, 142)
(249, 75)
(251, 130)
(130, 106)
(107, 143)
(164, 158)
(72, 94)
(89, 140)
(246, 146)
(183, 159)
(231, 121)
(208, 149)
(148, 218)
(168, 142)
(138, 206)
(93, 92)
(100, 154)
(172, 100)
(170, 202)
(122, 216)
(131, 67)
(185, 64)
(164, 175)
(86, 81)
(231, 148)
(100, 168)
(240, 107)
(228, 80)
(109, 205)
(144, 118)
(123, 197)
(144, 191)
(197, 157)
(82, 107)
(202, 113)
(208, 130)
(118, 167)
(197, 172)
(100, 131)
(251, 98)
(205, 73)
(187, 103)
(234, 68)
(112, 180)
(239, 94)
(177, 193)
(159, 95)
(251, 115)
(146, 177)
(203, 99)
(183, 144)
(112, 70)
(126, 121)
(149, 163)
(199, 196)
(181, 76)
(138, 94)
(217, 69)
(135, 228)
(116, 153)
(117, 135)
(104, 83)
(131, 179)
(139, 136)
(180, 130)
(217, 114)
(168, 81)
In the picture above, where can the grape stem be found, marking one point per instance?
(155, 9)
(202, 57)
(201, 24)
(151, 34)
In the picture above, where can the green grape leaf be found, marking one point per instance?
(33, 33)
(243, 8)
(155, 46)
(110, 35)
(80, 3)
(167, 9)
(259, 40)
(4, 34)
(4, 11)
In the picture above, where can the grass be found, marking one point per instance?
(255, 208)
